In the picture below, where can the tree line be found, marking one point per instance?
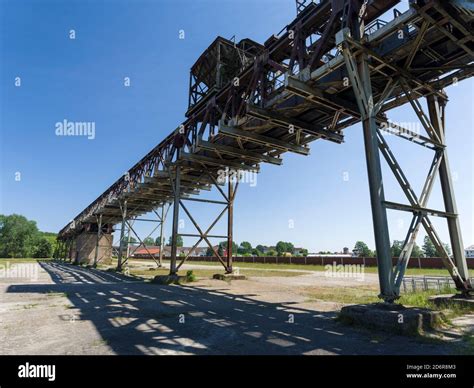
(428, 249)
(20, 237)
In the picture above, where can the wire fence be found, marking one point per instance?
(425, 283)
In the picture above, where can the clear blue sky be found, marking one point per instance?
(82, 80)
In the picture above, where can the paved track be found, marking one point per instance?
(73, 310)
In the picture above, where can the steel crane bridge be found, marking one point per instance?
(336, 64)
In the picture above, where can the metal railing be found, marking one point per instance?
(426, 283)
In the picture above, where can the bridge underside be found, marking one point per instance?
(335, 65)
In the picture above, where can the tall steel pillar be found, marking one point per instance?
(359, 75)
(162, 239)
(377, 195)
(99, 232)
(122, 234)
(230, 221)
(174, 235)
(436, 109)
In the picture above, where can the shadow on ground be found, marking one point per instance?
(135, 317)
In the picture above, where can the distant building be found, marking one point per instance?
(154, 250)
(470, 252)
(298, 251)
(146, 251)
(345, 251)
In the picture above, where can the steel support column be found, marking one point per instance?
(359, 75)
(162, 239)
(377, 195)
(174, 235)
(436, 108)
(122, 234)
(230, 221)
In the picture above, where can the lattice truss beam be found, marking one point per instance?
(128, 226)
(291, 91)
(204, 234)
(360, 60)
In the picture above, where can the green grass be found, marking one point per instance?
(208, 273)
(310, 267)
(22, 260)
(365, 295)
(344, 295)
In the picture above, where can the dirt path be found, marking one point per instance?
(72, 310)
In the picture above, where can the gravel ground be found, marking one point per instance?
(73, 310)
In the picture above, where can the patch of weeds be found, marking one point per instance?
(190, 277)
(451, 311)
(421, 299)
(30, 306)
(99, 342)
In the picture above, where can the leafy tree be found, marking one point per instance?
(429, 250)
(256, 252)
(158, 240)
(179, 242)
(52, 238)
(42, 248)
(271, 252)
(17, 236)
(283, 247)
(245, 248)
(362, 250)
(416, 252)
(396, 248)
(260, 248)
(149, 241)
(448, 248)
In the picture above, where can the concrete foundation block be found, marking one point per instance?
(450, 300)
(228, 276)
(85, 248)
(392, 318)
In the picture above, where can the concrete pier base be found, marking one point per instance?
(453, 300)
(86, 244)
(228, 276)
(392, 318)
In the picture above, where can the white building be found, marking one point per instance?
(470, 252)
